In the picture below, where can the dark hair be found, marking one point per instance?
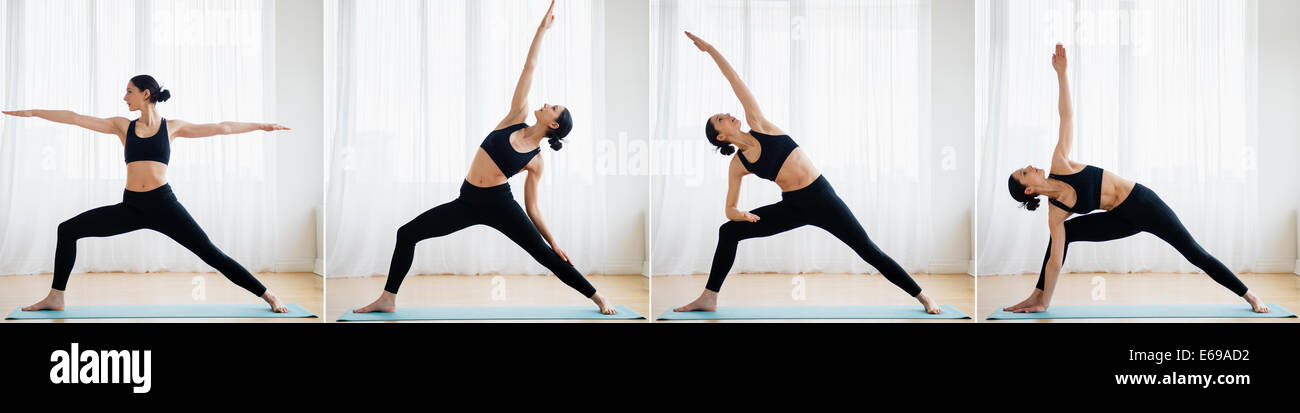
(1027, 201)
(711, 133)
(555, 135)
(156, 92)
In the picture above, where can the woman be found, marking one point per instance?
(1131, 208)
(485, 195)
(148, 201)
(806, 197)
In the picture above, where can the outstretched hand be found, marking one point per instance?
(273, 127)
(1058, 59)
(700, 43)
(563, 255)
(19, 113)
(549, 18)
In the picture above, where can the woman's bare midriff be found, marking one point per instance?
(1114, 190)
(484, 173)
(144, 176)
(796, 172)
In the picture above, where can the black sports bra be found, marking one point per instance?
(775, 148)
(497, 146)
(154, 148)
(1087, 189)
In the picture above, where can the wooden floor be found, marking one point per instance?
(115, 288)
(345, 294)
(672, 291)
(998, 291)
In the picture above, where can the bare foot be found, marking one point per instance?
(708, 301)
(274, 301)
(606, 307)
(930, 306)
(1033, 298)
(1032, 308)
(386, 303)
(53, 301)
(1254, 303)
(1035, 304)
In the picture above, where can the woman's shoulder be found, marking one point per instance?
(768, 131)
(1067, 167)
(511, 128)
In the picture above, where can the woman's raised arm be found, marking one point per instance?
(753, 115)
(1065, 138)
(519, 103)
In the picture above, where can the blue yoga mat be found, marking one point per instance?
(162, 311)
(583, 312)
(1147, 311)
(814, 312)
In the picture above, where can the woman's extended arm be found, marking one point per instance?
(1056, 258)
(1065, 138)
(519, 103)
(531, 196)
(734, 173)
(753, 115)
(114, 125)
(202, 130)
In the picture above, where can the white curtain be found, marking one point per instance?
(848, 80)
(413, 87)
(79, 56)
(1164, 94)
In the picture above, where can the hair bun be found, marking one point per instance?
(727, 149)
(1032, 204)
(163, 96)
(555, 142)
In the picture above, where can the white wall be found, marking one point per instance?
(952, 97)
(1279, 134)
(299, 40)
(627, 108)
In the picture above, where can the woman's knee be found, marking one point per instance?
(408, 234)
(69, 229)
(730, 231)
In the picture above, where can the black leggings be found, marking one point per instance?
(817, 205)
(158, 210)
(1143, 211)
(494, 207)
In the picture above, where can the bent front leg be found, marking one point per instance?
(99, 222)
(772, 219)
(436, 222)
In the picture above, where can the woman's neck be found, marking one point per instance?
(149, 114)
(1052, 189)
(745, 141)
(534, 134)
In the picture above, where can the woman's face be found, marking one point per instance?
(727, 125)
(1030, 176)
(548, 114)
(134, 98)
